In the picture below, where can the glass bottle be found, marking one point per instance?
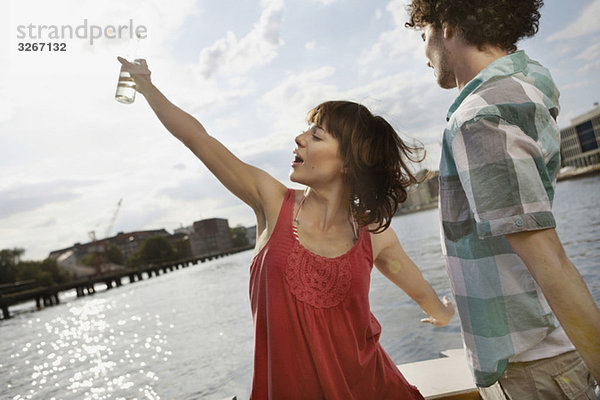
(125, 87)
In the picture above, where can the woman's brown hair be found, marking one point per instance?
(375, 160)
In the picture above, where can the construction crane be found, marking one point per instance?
(101, 252)
(114, 218)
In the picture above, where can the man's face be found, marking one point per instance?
(438, 57)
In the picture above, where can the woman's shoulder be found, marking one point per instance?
(272, 202)
(272, 195)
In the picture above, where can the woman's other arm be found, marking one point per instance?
(394, 264)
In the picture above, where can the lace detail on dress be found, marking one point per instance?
(319, 281)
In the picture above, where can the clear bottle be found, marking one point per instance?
(125, 88)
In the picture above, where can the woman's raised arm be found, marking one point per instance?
(252, 185)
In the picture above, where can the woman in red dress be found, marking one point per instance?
(315, 336)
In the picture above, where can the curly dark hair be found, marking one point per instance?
(499, 22)
(375, 160)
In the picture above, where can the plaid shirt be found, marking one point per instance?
(500, 158)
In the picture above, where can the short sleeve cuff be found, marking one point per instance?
(516, 223)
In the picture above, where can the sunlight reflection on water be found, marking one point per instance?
(83, 353)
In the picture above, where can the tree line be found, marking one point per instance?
(45, 273)
(153, 250)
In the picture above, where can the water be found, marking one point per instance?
(188, 334)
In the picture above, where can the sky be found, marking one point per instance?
(248, 70)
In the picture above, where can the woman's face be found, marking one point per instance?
(318, 161)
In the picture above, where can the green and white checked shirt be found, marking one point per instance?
(500, 158)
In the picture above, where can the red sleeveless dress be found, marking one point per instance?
(315, 336)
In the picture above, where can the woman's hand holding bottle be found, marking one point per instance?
(139, 72)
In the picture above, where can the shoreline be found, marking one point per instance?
(574, 173)
(425, 207)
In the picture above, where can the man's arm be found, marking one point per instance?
(564, 289)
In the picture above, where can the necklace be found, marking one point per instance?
(299, 210)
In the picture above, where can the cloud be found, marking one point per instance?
(33, 196)
(589, 67)
(142, 218)
(592, 53)
(324, 2)
(587, 23)
(590, 57)
(396, 48)
(230, 55)
(575, 85)
(194, 188)
(275, 161)
(285, 106)
(50, 222)
(194, 198)
(300, 91)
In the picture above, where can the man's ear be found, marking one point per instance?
(448, 30)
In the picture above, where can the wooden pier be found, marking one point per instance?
(21, 292)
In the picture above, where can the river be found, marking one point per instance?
(188, 334)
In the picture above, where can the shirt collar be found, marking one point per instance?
(503, 66)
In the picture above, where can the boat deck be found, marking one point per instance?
(447, 377)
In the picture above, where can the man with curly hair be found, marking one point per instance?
(527, 316)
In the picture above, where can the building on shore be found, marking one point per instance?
(70, 258)
(422, 196)
(129, 242)
(180, 241)
(579, 142)
(210, 236)
(251, 235)
(205, 237)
